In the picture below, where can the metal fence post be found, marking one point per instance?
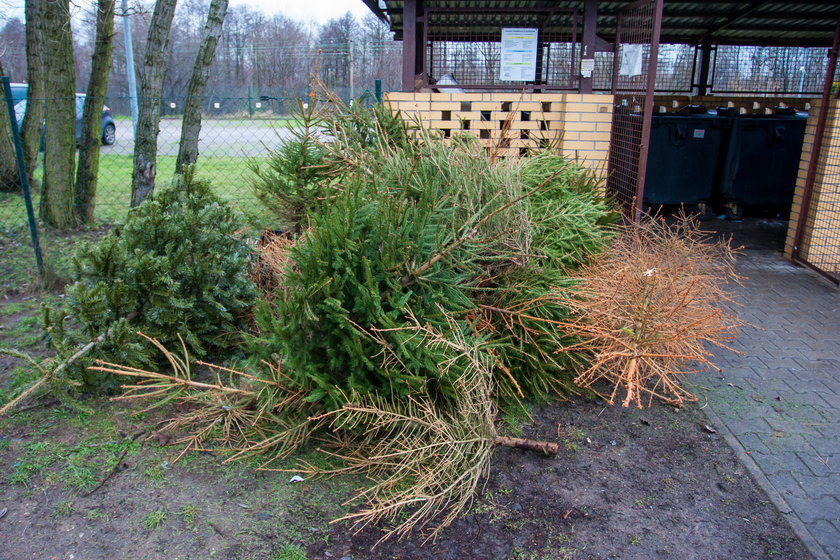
(814, 161)
(24, 180)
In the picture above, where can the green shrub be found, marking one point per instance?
(301, 173)
(294, 178)
(569, 221)
(430, 229)
(177, 268)
(351, 274)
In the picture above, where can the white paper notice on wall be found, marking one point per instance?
(631, 60)
(587, 66)
(519, 55)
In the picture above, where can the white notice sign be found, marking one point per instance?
(519, 55)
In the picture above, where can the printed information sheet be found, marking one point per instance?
(519, 55)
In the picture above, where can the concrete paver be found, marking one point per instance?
(779, 403)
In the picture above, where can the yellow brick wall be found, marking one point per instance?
(509, 124)
(796, 207)
(821, 239)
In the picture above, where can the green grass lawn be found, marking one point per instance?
(228, 175)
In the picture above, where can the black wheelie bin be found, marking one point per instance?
(684, 158)
(762, 161)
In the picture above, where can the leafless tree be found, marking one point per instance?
(91, 134)
(57, 194)
(9, 178)
(191, 125)
(151, 82)
(33, 121)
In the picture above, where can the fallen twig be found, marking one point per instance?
(116, 467)
(219, 531)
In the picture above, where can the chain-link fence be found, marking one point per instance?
(236, 134)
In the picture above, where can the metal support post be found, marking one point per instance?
(409, 44)
(816, 154)
(587, 60)
(130, 71)
(24, 179)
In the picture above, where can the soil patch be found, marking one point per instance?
(628, 484)
(645, 484)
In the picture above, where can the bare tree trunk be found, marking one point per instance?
(151, 83)
(9, 178)
(57, 195)
(191, 125)
(33, 122)
(88, 170)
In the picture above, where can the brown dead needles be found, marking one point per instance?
(422, 459)
(251, 415)
(650, 309)
(274, 258)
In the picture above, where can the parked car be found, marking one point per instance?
(109, 127)
(19, 92)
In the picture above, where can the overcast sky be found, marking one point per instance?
(318, 10)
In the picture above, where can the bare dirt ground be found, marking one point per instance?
(628, 484)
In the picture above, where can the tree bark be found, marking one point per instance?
(90, 141)
(33, 122)
(57, 196)
(9, 177)
(191, 124)
(151, 83)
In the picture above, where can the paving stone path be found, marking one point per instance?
(779, 403)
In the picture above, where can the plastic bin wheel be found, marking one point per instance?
(734, 211)
(704, 211)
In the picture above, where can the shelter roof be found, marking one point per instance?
(756, 22)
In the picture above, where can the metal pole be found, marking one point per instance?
(705, 65)
(378, 89)
(24, 179)
(409, 58)
(352, 88)
(616, 54)
(647, 114)
(816, 150)
(129, 66)
(587, 59)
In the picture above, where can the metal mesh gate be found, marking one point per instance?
(634, 77)
(817, 238)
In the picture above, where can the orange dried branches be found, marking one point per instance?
(651, 309)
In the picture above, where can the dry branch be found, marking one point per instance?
(545, 447)
(425, 460)
(651, 310)
(246, 413)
